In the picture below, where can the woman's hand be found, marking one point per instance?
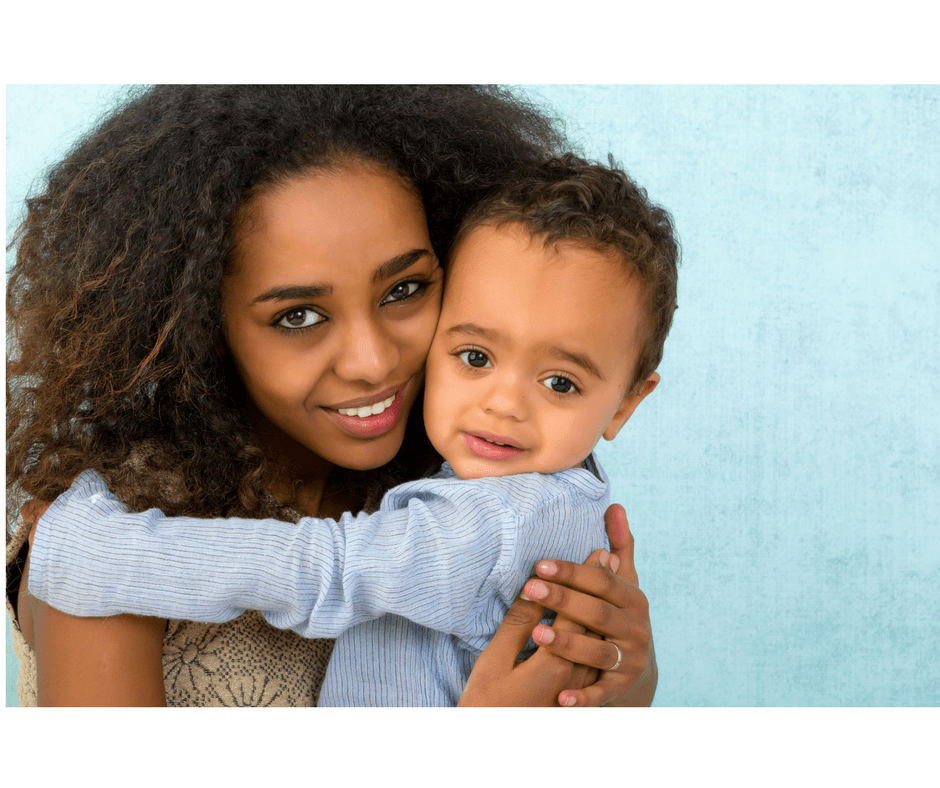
(498, 679)
(563, 670)
(602, 595)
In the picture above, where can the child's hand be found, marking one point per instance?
(603, 596)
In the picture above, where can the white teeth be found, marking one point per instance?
(368, 410)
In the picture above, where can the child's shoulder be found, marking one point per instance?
(517, 492)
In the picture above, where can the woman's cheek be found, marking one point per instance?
(421, 335)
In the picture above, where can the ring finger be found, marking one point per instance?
(581, 649)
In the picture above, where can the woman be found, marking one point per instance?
(135, 356)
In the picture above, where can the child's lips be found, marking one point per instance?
(492, 437)
(485, 444)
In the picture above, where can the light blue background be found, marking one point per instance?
(783, 483)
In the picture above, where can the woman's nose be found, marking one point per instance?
(366, 352)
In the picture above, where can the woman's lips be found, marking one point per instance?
(370, 400)
(374, 425)
(484, 444)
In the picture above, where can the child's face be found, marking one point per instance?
(331, 305)
(536, 348)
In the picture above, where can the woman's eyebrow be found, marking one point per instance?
(385, 271)
(398, 264)
(290, 292)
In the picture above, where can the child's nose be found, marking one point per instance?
(506, 399)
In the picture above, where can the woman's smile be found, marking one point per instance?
(370, 417)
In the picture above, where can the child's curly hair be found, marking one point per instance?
(113, 318)
(567, 198)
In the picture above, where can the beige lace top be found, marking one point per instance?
(245, 662)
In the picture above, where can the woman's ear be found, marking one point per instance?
(629, 404)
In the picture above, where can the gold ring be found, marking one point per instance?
(619, 656)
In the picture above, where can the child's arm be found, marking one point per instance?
(318, 577)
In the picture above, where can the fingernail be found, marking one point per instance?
(604, 557)
(569, 700)
(543, 635)
(614, 564)
(535, 590)
(546, 568)
(523, 596)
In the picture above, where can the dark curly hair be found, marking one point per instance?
(567, 198)
(113, 315)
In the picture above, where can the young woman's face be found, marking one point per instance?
(329, 312)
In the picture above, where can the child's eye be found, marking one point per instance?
(403, 291)
(299, 318)
(474, 358)
(560, 385)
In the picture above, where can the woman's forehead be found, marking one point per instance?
(328, 226)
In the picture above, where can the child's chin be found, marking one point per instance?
(472, 470)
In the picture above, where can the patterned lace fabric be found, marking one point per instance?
(245, 662)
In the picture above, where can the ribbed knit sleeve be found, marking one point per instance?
(438, 552)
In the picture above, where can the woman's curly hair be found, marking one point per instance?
(113, 318)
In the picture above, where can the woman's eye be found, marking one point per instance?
(475, 358)
(559, 384)
(402, 291)
(301, 317)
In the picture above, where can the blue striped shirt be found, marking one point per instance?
(413, 592)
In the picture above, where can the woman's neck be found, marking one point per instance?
(301, 479)
(295, 475)
(305, 496)
(314, 497)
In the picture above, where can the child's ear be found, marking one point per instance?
(629, 404)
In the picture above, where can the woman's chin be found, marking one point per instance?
(364, 466)
(371, 455)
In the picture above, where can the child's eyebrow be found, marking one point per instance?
(385, 271)
(473, 330)
(581, 359)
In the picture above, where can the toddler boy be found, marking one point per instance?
(559, 295)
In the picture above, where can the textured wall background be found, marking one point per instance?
(783, 483)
